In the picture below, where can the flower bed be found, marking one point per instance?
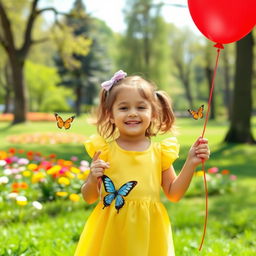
(31, 116)
(46, 138)
(218, 182)
(30, 178)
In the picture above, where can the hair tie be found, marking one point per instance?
(119, 75)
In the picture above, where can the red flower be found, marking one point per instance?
(12, 150)
(30, 153)
(225, 172)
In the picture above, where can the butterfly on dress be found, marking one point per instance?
(124, 190)
(66, 124)
(197, 114)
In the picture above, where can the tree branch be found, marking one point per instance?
(8, 41)
(3, 43)
(27, 36)
(50, 9)
(42, 40)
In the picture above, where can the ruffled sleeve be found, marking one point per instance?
(97, 143)
(169, 152)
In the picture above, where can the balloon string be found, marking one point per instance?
(203, 166)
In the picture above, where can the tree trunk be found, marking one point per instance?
(20, 97)
(78, 102)
(7, 87)
(240, 129)
(209, 76)
(227, 91)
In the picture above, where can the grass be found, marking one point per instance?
(231, 224)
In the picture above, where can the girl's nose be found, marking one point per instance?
(132, 114)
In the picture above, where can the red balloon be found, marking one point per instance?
(223, 21)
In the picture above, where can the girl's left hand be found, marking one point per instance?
(199, 151)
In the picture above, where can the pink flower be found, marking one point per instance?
(22, 161)
(233, 177)
(213, 170)
(74, 158)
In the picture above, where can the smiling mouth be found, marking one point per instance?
(132, 123)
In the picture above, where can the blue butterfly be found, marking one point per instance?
(124, 190)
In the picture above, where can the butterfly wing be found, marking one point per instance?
(126, 188)
(119, 202)
(108, 184)
(59, 120)
(200, 112)
(108, 199)
(67, 123)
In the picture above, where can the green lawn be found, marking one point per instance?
(231, 224)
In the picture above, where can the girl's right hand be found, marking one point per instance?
(98, 167)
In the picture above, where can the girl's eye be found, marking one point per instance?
(142, 107)
(123, 108)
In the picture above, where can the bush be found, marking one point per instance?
(218, 182)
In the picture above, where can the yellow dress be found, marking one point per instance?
(142, 226)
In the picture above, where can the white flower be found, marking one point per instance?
(4, 180)
(37, 205)
(84, 163)
(18, 176)
(3, 162)
(22, 168)
(8, 171)
(21, 199)
(12, 195)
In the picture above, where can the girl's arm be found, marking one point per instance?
(91, 188)
(175, 186)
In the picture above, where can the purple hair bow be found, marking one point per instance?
(117, 76)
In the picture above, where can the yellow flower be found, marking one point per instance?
(32, 166)
(70, 175)
(199, 173)
(67, 163)
(3, 155)
(74, 197)
(64, 181)
(75, 170)
(61, 193)
(21, 200)
(26, 173)
(54, 169)
(37, 177)
(84, 175)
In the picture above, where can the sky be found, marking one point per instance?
(111, 11)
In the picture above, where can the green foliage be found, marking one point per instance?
(144, 48)
(44, 94)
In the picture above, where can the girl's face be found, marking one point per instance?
(131, 113)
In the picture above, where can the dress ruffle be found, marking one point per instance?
(97, 143)
(170, 151)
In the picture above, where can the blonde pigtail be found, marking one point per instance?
(167, 117)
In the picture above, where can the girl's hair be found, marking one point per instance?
(162, 113)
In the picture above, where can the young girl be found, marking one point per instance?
(128, 171)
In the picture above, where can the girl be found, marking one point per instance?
(128, 171)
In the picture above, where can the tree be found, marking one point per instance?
(144, 48)
(182, 44)
(18, 54)
(240, 128)
(87, 74)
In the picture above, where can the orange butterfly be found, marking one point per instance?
(66, 124)
(197, 114)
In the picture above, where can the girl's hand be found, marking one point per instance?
(97, 168)
(199, 152)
